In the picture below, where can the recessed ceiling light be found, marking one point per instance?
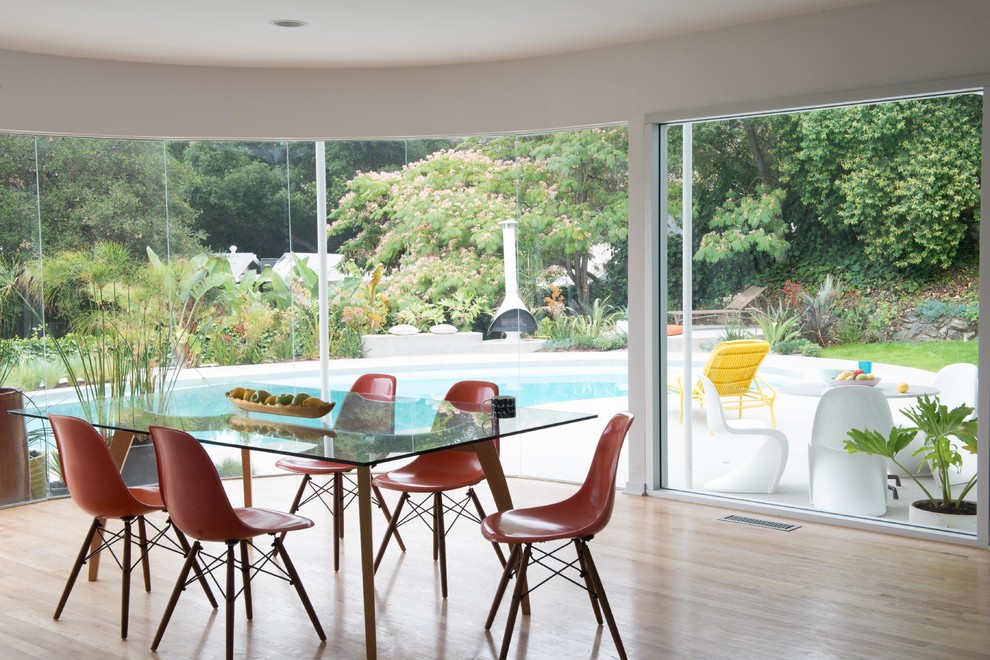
(289, 23)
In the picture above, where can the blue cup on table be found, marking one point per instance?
(866, 366)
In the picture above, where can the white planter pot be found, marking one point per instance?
(923, 518)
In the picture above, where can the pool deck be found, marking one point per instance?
(563, 454)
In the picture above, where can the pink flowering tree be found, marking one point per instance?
(435, 224)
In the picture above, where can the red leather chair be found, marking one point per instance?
(577, 519)
(95, 485)
(375, 386)
(437, 473)
(198, 504)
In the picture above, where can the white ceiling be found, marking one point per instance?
(362, 33)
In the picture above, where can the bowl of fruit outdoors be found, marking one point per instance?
(829, 375)
(292, 405)
(856, 377)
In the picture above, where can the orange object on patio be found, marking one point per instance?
(674, 330)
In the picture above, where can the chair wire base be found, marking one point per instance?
(108, 539)
(336, 495)
(229, 591)
(432, 510)
(522, 557)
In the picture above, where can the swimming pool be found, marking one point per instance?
(532, 385)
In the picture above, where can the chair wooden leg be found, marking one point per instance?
(441, 540)
(392, 524)
(603, 600)
(436, 543)
(338, 502)
(299, 494)
(502, 584)
(180, 584)
(517, 596)
(383, 505)
(588, 582)
(184, 544)
(77, 566)
(481, 515)
(298, 498)
(246, 579)
(297, 583)
(229, 596)
(338, 518)
(125, 582)
(143, 544)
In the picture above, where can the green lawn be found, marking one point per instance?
(931, 356)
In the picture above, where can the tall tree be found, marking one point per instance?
(93, 190)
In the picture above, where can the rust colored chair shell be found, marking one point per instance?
(340, 490)
(95, 485)
(198, 504)
(437, 473)
(577, 519)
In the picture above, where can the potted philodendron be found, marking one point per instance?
(946, 432)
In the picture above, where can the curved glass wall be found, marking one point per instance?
(133, 267)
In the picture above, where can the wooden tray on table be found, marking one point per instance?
(310, 412)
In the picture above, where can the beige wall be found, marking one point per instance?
(864, 47)
(847, 54)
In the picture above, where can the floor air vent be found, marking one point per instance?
(769, 524)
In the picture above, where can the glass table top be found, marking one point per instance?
(359, 430)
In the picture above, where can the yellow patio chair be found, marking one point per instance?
(732, 367)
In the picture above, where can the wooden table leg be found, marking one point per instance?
(246, 476)
(120, 445)
(492, 465)
(367, 559)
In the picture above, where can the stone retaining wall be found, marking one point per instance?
(914, 327)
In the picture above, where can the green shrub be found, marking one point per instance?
(798, 347)
(613, 342)
(347, 345)
(820, 313)
(734, 330)
(778, 324)
(930, 310)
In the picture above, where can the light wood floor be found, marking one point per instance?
(682, 585)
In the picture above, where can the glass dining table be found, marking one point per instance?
(359, 431)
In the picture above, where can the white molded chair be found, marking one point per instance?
(957, 385)
(761, 472)
(854, 484)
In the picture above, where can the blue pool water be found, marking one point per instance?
(532, 392)
(532, 386)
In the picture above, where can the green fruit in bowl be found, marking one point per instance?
(260, 396)
(284, 399)
(299, 398)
